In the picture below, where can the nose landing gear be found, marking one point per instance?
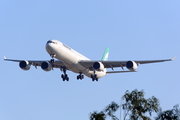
(53, 56)
(52, 60)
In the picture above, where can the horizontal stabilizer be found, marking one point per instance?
(119, 72)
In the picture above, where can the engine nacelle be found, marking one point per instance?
(98, 66)
(24, 65)
(131, 65)
(46, 66)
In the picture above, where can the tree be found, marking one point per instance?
(108, 111)
(173, 114)
(136, 106)
(111, 109)
(97, 116)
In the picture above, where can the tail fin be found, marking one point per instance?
(106, 54)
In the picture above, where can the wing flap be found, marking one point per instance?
(107, 64)
(113, 64)
(109, 72)
(153, 61)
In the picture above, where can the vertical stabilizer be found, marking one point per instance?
(106, 54)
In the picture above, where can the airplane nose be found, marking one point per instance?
(49, 48)
(49, 44)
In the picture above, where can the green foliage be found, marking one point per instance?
(136, 106)
(108, 111)
(97, 116)
(111, 109)
(173, 114)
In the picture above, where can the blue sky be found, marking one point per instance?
(134, 30)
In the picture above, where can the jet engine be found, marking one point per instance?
(46, 66)
(24, 65)
(131, 65)
(98, 66)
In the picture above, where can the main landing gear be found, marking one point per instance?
(64, 76)
(80, 76)
(94, 77)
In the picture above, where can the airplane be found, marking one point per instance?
(69, 59)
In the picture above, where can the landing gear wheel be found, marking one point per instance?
(80, 77)
(94, 77)
(62, 76)
(52, 60)
(65, 77)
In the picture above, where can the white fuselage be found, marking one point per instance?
(70, 58)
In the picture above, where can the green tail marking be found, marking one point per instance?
(106, 54)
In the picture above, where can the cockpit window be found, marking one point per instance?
(49, 41)
(52, 42)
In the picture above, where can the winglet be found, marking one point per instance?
(173, 58)
(4, 57)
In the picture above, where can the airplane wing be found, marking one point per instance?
(119, 72)
(56, 64)
(113, 64)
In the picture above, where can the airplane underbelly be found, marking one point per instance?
(98, 73)
(76, 68)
